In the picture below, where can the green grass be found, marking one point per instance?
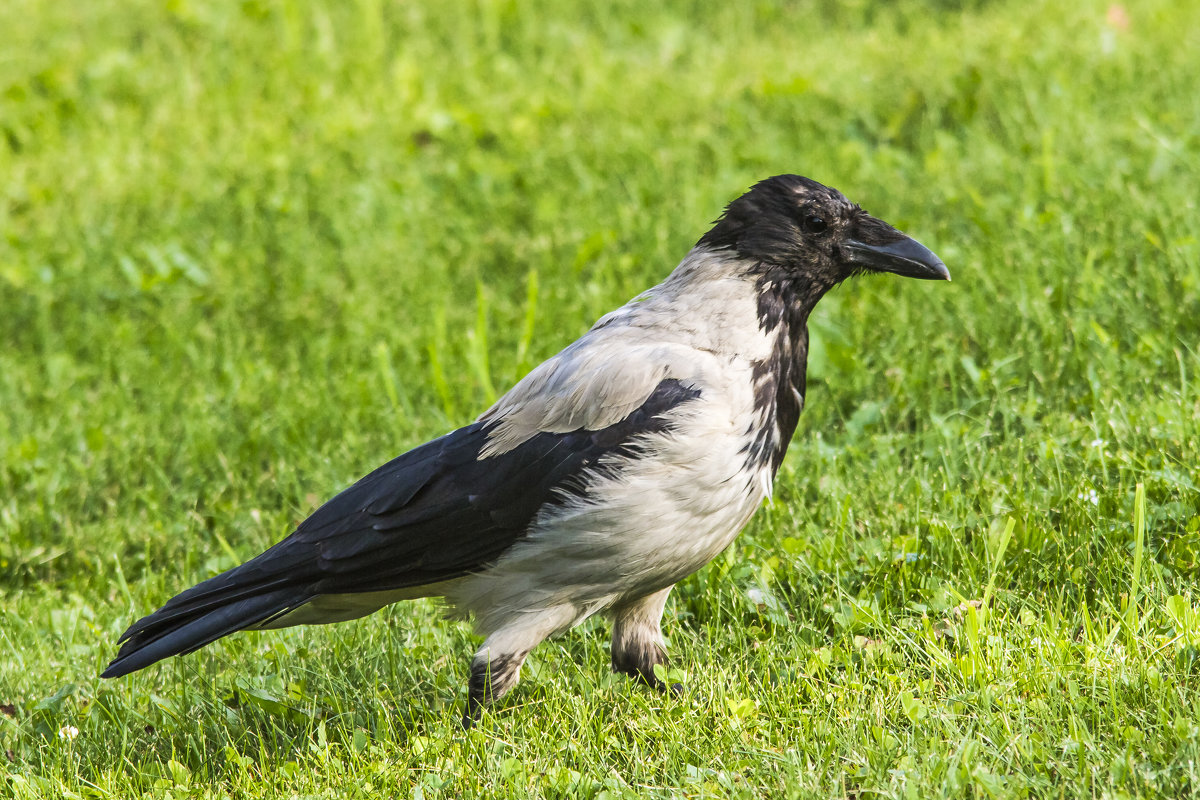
(251, 250)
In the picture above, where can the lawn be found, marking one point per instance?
(253, 249)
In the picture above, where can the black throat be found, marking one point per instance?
(784, 305)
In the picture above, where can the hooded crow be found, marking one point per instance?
(609, 473)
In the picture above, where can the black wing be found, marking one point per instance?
(436, 513)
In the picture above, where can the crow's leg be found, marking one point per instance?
(492, 675)
(637, 643)
(496, 667)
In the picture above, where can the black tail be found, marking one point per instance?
(217, 607)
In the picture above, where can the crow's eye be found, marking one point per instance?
(814, 223)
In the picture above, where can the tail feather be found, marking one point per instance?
(188, 623)
(184, 633)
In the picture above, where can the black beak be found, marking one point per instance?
(906, 257)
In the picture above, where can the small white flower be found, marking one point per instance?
(68, 732)
(1097, 443)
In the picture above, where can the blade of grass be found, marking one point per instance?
(1132, 618)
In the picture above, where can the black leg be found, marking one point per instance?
(491, 678)
(637, 645)
(496, 667)
(639, 662)
(474, 711)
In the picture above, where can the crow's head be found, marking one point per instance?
(793, 227)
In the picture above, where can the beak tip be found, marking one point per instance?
(935, 268)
